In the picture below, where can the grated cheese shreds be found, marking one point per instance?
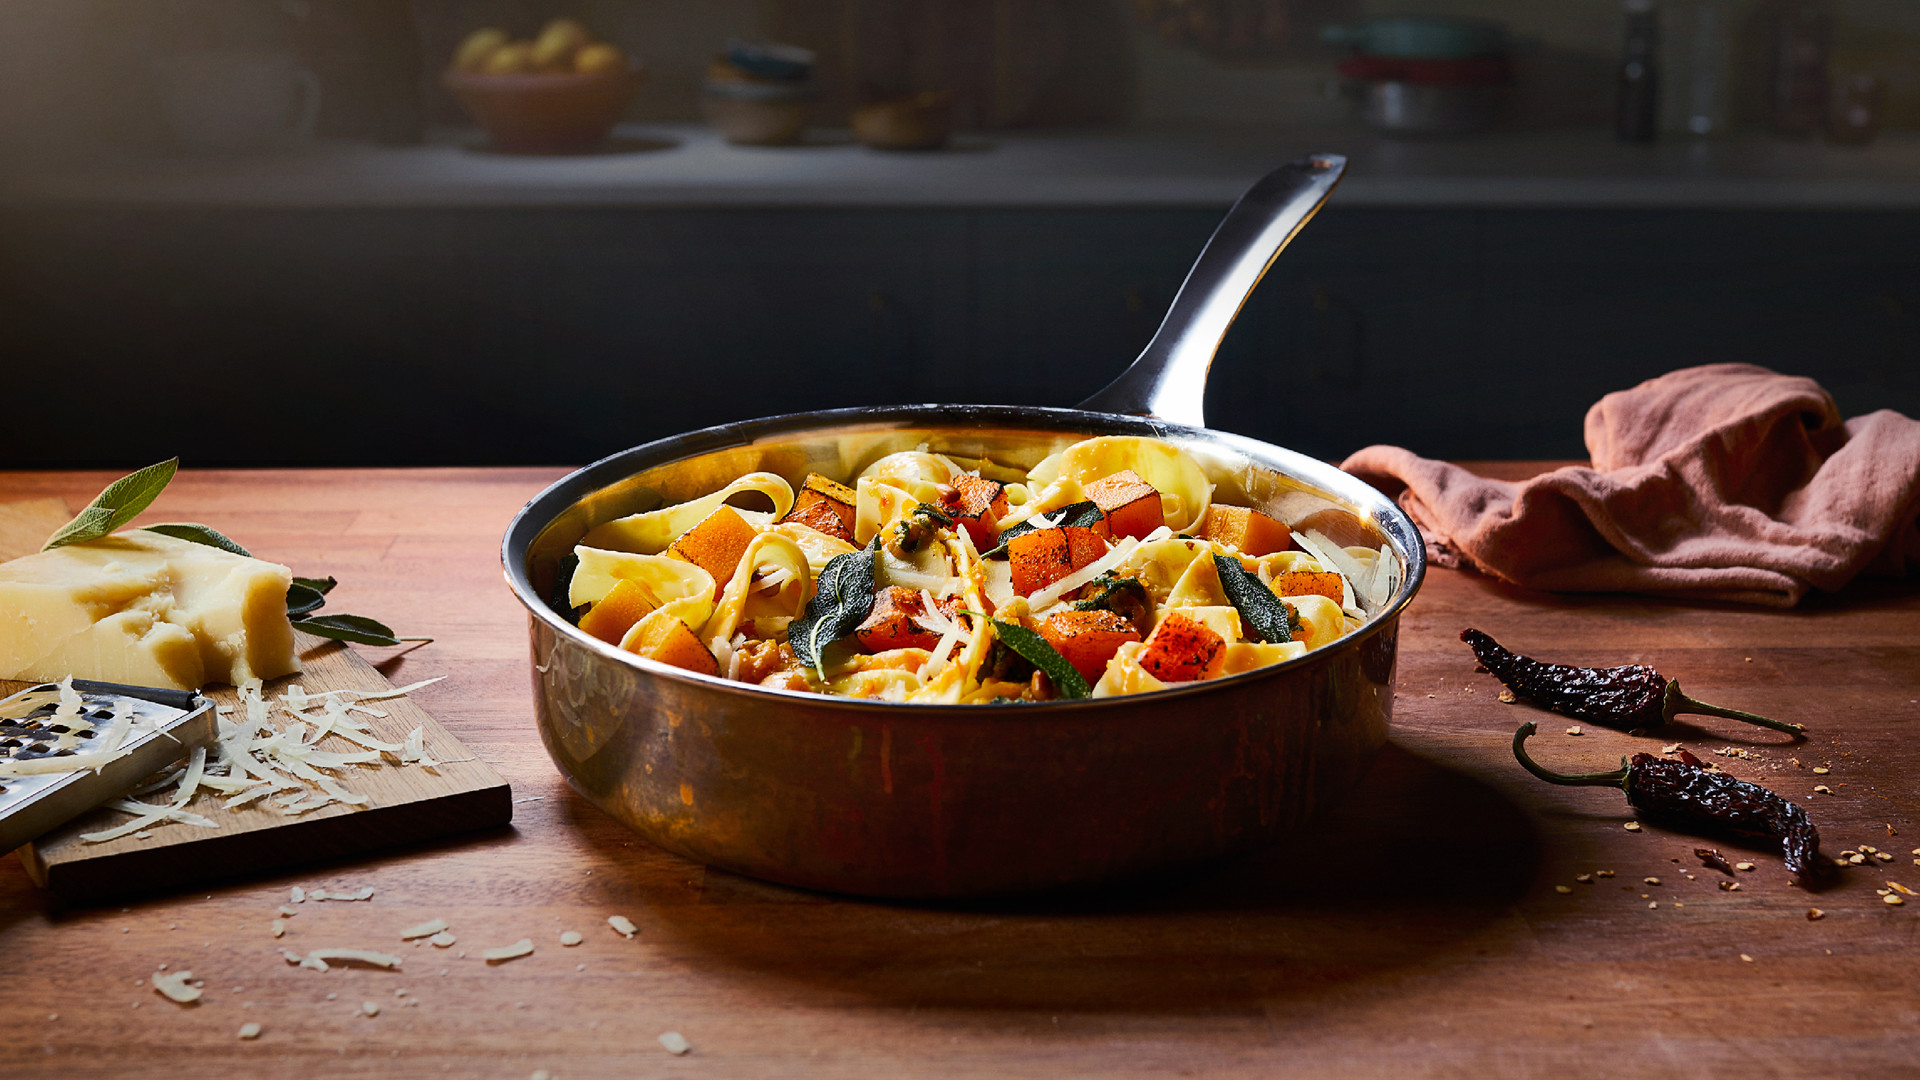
(523, 947)
(675, 1043)
(173, 986)
(622, 925)
(357, 956)
(298, 896)
(425, 929)
(252, 759)
(442, 939)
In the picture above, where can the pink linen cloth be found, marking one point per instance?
(1722, 482)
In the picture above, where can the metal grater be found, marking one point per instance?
(165, 725)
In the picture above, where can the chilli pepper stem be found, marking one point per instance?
(1677, 702)
(1616, 778)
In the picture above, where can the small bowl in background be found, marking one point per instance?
(921, 122)
(540, 113)
(758, 113)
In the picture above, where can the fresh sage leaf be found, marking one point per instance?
(119, 504)
(323, 585)
(1034, 649)
(198, 534)
(842, 600)
(355, 628)
(1083, 515)
(302, 600)
(1262, 612)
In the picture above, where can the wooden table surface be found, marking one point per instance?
(1416, 931)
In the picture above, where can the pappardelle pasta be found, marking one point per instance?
(1105, 569)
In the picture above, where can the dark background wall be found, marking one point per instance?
(553, 336)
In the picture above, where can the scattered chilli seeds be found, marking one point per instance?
(675, 1043)
(622, 925)
(249, 1030)
(1631, 826)
(1893, 898)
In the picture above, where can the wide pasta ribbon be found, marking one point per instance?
(654, 531)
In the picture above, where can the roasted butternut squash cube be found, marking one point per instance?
(1131, 504)
(615, 613)
(975, 504)
(1088, 639)
(1183, 650)
(895, 622)
(1308, 583)
(1247, 531)
(715, 544)
(670, 642)
(824, 505)
(1044, 556)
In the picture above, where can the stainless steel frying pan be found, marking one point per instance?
(936, 801)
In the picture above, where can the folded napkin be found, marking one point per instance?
(1723, 482)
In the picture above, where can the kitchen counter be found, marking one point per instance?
(1417, 930)
(689, 166)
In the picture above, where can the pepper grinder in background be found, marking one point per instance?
(1637, 109)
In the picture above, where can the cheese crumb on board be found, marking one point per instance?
(622, 925)
(675, 1043)
(523, 947)
(442, 939)
(299, 895)
(174, 986)
(249, 1030)
(279, 928)
(370, 1008)
(425, 930)
(571, 938)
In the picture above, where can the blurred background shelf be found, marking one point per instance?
(667, 165)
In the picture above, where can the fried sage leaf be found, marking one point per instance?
(842, 600)
(1260, 611)
(1083, 515)
(119, 504)
(1034, 650)
(355, 628)
(198, 534)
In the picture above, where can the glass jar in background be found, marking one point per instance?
(1857, 107)
(1698, 66)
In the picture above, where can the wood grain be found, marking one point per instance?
(1415, 931)
(407, 804)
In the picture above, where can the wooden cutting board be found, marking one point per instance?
(407, 804)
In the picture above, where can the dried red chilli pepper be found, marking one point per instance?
(1628, 698)
(1687, 794)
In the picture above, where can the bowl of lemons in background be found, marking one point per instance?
(558, 93)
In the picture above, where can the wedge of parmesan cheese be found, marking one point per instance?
(146, 609)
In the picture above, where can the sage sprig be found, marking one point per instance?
(355, 628)
(120, 503)
(125, 499)
(307, 595)
(1034, 650)
(199, 534)
(1262, 612)
(842, 600)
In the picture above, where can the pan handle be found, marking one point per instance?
(1169, 379)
